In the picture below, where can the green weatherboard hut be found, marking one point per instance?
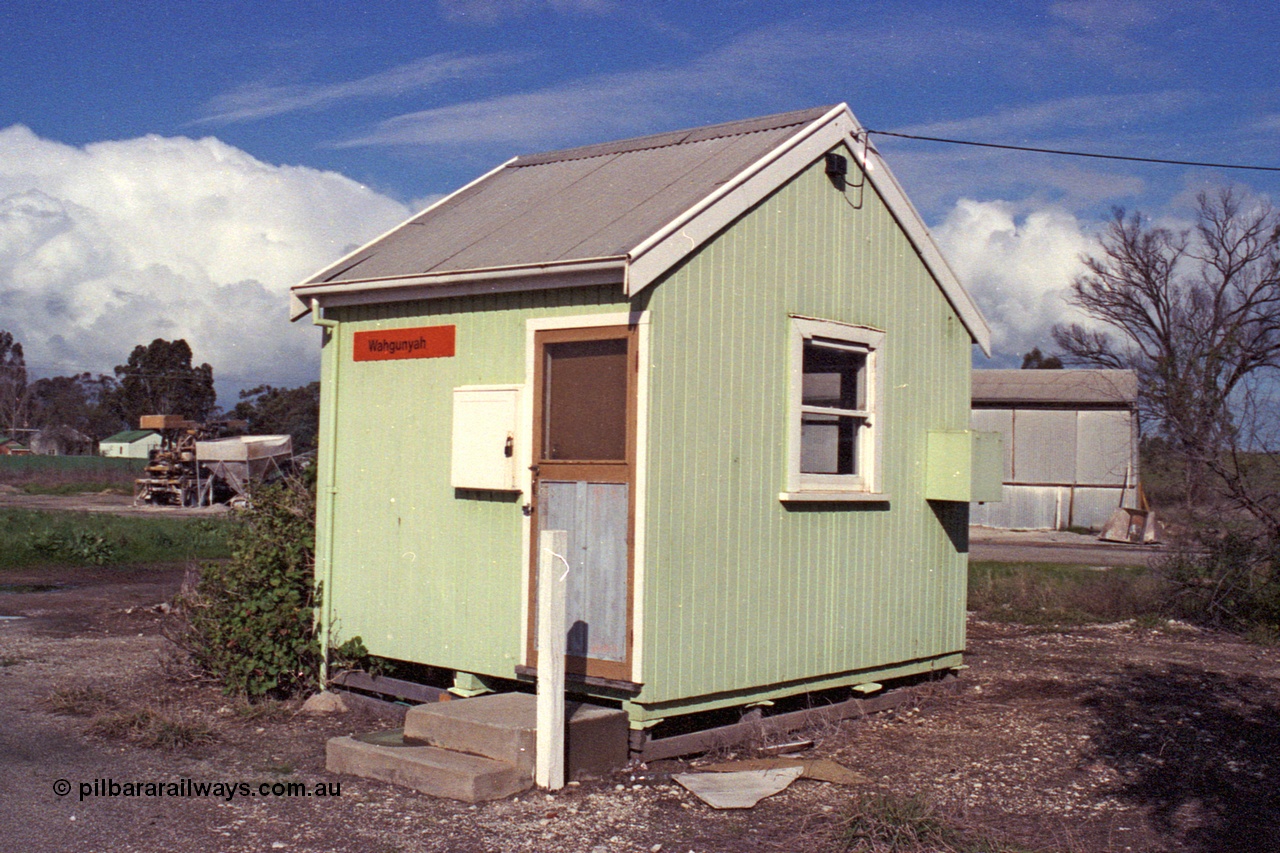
(729, 361)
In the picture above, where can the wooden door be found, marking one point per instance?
(583, 483)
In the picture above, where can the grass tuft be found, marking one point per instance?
(79, 701)
(887, 823)
(156, 728)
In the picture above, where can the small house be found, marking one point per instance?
(61, 440)
(730, 362)
(13, 447)
(130, 444)
(1070, 445)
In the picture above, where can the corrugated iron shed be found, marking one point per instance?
(1064, 388)
(1071, 445)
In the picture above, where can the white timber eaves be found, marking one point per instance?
(687, 232)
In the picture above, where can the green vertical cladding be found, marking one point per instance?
(743, 594)
(742, 590)
(421, 573)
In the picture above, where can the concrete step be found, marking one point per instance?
(503, 726)
(495, 726)
(429, 769)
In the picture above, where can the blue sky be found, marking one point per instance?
(172, 168)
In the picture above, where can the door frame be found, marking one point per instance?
(641, 323)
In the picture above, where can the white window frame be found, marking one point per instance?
(866, 484)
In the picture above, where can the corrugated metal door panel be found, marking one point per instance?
(1103, 447)
(1037, 507)
(1044, 446)
(595, 516)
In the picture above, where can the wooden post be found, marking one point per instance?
(552, 580)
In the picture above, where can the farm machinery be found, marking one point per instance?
(202, 464)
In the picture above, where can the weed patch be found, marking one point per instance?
(250, 622)
(1230, 581)
(886, 823)
(155, 728)
(35, 538)
(1053, 594)
(79, 701)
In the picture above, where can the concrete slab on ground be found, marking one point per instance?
(481, 748)
(504, 726)
(434, 771)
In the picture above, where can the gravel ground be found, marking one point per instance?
(1097, 738)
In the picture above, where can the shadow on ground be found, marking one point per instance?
(1199, 750)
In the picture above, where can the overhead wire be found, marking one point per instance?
(1069, 153)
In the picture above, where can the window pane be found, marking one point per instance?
(834, 377)
(586, 400)
(828, 444)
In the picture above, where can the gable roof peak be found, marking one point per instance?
(621, 212)
(667, 139)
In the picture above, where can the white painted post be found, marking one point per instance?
(552, 576)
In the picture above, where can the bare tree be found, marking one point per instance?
(1197, 315)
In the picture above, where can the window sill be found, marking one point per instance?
(834, 497)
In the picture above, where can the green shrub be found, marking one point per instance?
(250, 622)
(1227, 581)
(77, 546)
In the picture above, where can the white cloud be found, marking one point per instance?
(259, 100)
(117, 243)
(1018, 268)
(494, 11)
(761, 64)
(1068, 116)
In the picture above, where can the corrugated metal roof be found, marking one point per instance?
(1055, 387)
(622, 212)
(129, 436)
(597, 201)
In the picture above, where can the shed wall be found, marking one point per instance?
(1063, 467)
(426, 573)
(742, 589)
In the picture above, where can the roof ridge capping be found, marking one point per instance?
(794, 118)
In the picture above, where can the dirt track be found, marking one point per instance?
(105, 502)
(1046, 546)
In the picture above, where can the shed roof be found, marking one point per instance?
(129, 436)
(1087, 388)
(619, 212)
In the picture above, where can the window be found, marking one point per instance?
(834, 407)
